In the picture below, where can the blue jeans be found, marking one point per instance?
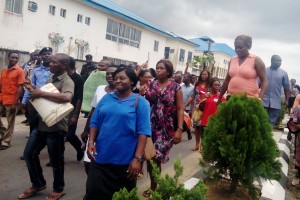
(273, 115)
(55, 143)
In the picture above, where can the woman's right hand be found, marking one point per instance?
(143, 89)
(91, 151)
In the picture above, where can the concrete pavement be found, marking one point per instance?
(14, 177)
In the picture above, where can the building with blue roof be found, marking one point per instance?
(97, 27)
(221, 52)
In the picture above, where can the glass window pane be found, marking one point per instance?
(108, 37)
(115, 28)
(114, 38)
(109, 26)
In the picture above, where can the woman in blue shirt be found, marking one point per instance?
(118, 131)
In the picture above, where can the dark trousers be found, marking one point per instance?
(55, 143)
(73, 138)
(104, 180)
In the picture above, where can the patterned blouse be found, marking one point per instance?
(163, 117)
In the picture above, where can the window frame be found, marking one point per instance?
(63, 12)
(79, 18)
(156, 45)
(181, 55)
(87, 21)
(190, 56)
(11, 6)
(122, 33)
(52, 9)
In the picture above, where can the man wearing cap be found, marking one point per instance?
(88, 67)
(39, 78)
(11, 87)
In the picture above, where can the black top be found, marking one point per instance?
(78, 90)
(86, 70)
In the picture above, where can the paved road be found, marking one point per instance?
(14, 177)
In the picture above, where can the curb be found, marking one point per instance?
(275, 190)
(271, 190)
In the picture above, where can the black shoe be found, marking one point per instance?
(22, 158)
(25, 121)
(49, 164)
(189, 135)
(86, 115)
(80, 154)
(3, 147)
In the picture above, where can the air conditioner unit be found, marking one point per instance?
(32, 6)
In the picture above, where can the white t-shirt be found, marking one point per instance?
(100, 92)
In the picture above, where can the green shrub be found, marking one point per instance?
(238, 141)
(168, 187)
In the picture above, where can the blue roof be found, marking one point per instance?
(123, 13)
(214, 47)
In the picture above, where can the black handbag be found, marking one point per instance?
(291, 125)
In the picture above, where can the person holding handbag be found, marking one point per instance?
(209, 103)
(201, 87)
(294, 123)
(166, 101)
(117, 138)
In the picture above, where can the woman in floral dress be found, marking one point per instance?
(296, 119)
(166, 101)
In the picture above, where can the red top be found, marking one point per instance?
(10, 80)
(210, 107)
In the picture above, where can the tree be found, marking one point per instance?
(238, 142)
(205, 61)
(168, 187)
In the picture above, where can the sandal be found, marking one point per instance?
(55, 195)
(30, 192)
(295, 182)
(146, 193)
(196, 148)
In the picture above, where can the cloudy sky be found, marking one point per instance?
(274, 25)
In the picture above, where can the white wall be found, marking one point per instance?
(174, 57)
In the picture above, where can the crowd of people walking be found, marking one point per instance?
(125, 105)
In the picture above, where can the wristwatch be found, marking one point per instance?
(180, 127)
(140, 159)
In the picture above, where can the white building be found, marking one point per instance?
(221, 52)
(97, 27)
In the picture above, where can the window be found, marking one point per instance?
(167, 52)
(190, 56)
(14, 6)
(181, 55)
(87, 21)
(52, 9)
(122, 33)
(156, 45)
(63, 12)
(32, 6)
(79, 18)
